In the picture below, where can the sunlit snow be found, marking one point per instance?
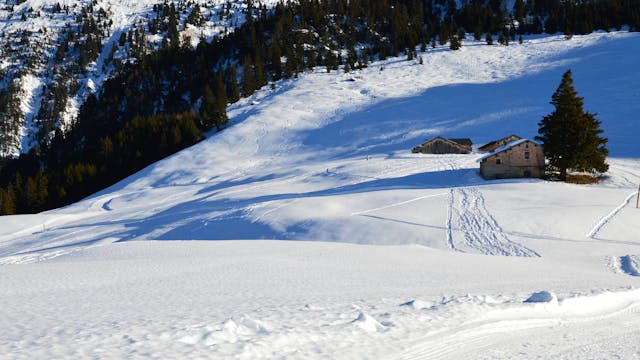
(389, 254)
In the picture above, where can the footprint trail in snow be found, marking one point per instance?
(472, 228)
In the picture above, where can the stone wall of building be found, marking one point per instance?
(523, 160)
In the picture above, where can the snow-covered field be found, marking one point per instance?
(391, 254)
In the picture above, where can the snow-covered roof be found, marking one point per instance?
(507, 146)
(499, 141)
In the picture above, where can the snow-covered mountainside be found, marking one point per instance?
(393, 254)
(54, 53)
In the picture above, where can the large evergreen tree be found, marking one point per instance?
(570, 135)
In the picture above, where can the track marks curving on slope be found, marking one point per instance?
(606, 219)
(470, 226)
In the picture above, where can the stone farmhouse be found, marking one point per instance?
(491, 146)
(440, 145)
(516, 159)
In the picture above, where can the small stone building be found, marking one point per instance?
(497, 143)
(517, 159)
(440, 145)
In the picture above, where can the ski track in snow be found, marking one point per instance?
(606, 219)
(472, 226)
(397, 204)
(476, 337)
(449, 225)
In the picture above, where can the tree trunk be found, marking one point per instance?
(563, 174)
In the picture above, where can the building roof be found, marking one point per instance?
(462, 141)
(508, 146)
(463, 145)
(491, 144)
(457, 141)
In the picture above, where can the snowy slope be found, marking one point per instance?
(395, 255)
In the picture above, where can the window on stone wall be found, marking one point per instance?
(527, 155)
(498, 161)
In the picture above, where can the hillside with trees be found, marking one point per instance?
(165, 90)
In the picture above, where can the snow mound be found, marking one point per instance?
(630, 265)
(368, 323)
(247, 326)
(419, 304)
(231, 331)
(542, 297)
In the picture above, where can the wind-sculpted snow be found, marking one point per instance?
(267, 299)
(626, 264)
(504, 329)
(630, 265)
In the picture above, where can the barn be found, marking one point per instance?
(491, 146)
(440, 145)
(517, 159)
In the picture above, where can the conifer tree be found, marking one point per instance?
(570, 135)
(221, 103)
(195, 17)
(276, 62)
(31, 195)
(454, 42)
(249, 82)
(331, 61)
(260, 75)
(519, 12)
(233, 92)
(172, 32)
(208, 109)
(7, 201)
(477, 33)
(213, 110)
(444, 34)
